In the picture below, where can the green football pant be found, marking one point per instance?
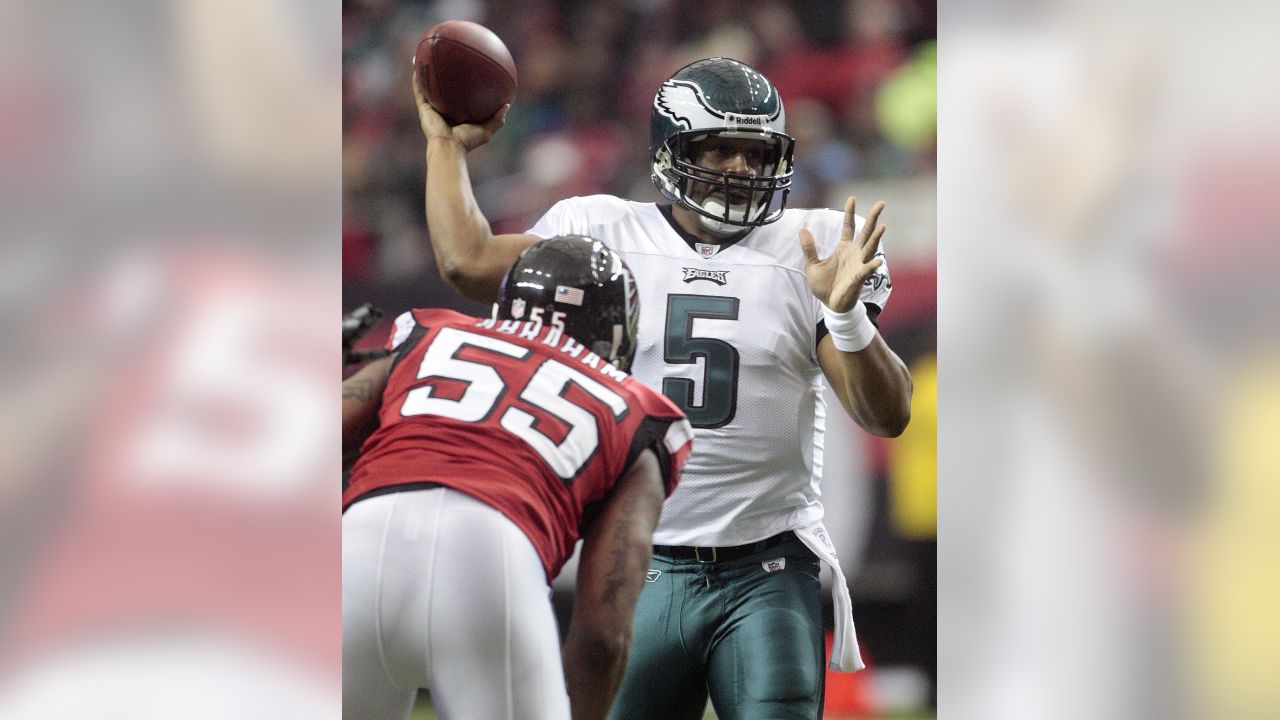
(746, 631)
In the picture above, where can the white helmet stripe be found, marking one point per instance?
(684, 104)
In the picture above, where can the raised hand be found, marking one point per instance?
(469, 135)
(836, 280)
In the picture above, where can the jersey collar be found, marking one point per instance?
(696, 245)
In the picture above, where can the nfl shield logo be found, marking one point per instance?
(774, 565)
(706, 250)
(517, 308)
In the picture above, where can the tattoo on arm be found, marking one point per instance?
(622, 570)
(357, 390)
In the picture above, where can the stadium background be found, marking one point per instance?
(858, 81)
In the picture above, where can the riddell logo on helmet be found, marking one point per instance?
(733, 121)
(719, 277)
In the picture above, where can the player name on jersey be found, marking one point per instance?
(555, 338)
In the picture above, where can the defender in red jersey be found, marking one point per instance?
(489, 447)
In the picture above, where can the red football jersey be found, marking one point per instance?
(519, 416)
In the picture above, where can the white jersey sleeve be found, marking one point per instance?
(577, 216)
(554, 222)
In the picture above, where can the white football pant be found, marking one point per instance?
(442, 591)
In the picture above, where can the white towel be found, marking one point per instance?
(844, 649)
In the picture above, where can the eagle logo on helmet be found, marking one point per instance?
(682, 101)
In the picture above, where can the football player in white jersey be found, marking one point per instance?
(752, 304)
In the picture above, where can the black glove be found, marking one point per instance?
(354, 325)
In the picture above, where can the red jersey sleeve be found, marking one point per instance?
(664, 430)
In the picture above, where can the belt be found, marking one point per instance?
(721, 554)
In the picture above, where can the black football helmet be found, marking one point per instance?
(725, 98)
(584, 280)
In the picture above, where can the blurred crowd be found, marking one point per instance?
(857, 78)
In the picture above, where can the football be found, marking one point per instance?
(465, 71)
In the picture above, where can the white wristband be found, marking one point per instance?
(850, 331)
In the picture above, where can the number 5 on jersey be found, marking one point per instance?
(485, 387)
(720, 382)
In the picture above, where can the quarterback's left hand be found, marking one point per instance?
(836, 280)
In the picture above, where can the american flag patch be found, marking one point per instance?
(568, 295)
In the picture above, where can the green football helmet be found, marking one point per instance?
(720, 97)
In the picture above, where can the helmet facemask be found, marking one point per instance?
(704, 190)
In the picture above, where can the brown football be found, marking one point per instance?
(465, 71)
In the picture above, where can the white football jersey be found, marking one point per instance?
(730, 335)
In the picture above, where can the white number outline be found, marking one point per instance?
(484, 386)
(545, 390)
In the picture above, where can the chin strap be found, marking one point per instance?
(719, 227)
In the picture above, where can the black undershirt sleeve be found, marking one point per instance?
(650, 434)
